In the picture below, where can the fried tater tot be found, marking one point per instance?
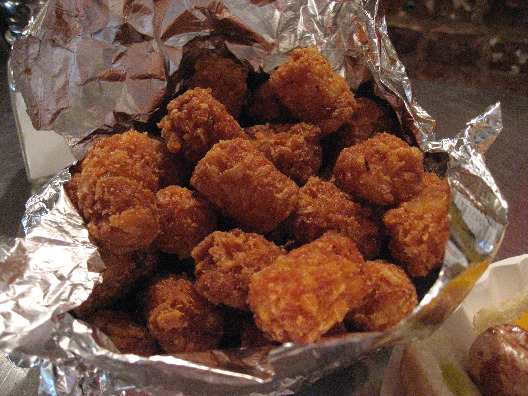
(180, 318)
(370, 118)
(122, 274)
(323, 207)
(115, 191)
(391, 298)
(225, 261)
(292, 148)
(307, 291)
(312, 90)
(419, 228)
(124, 330)
(195, 122)
(226, 79)
(383, 170)
(245, 185)
(185, 219)
(265, 107)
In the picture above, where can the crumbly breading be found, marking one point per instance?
(185, 218)
(245, 185)
(293, 149)
(225, 261)
(312, 90)
(122, 274)
(383, 170)
(126, 332)
(265, 107)
(391, 298)
(115, 189)
(323, 207)
(307, 291)
(419, 228)
(195, 122)
(226, 79)
(180, 318)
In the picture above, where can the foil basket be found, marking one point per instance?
(112, 65)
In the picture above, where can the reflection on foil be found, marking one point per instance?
(89, 68)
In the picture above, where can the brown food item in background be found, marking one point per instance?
(245, 185)
(185, 219)
(313, 91)
(419, 228)
(195, 122)
(125, 331)
(122, 274)
(307, 291)
(383, 170)
(291, 148)
(497, 361)
(115, 191)
(371, 117)
(323, 207)
(225, 261)
(391, 299)
(180, 318)
(226, 79)
(265, 107)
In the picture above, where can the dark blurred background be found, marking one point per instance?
(479, 44)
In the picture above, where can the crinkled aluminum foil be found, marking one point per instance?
(87, 68)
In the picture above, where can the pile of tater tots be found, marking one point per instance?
(261, 211)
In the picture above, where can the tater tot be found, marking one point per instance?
(123, 272)
(419, 228)
(226, 79)
(307, 291)
(245, 185)
(185, 219)
(180, 318)
(391, 298)
(292, 148)
(383, 170)
(115, 191)
(125, 331)
(312, 90)
(265, 107)
(323, 207)
(195, 122)
(225, 261)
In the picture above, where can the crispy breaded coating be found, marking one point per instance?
(226, 79)
(323, 207)
(125, 331)
(312, 90)
(185, 219)
(195, 122)
(295, 152)
(307, 291)
(115, 191)
(383, 170)
(245, 185)
(180, 318)
(122, 274)
(419, 228)
(265, 107)
(369, 118)
(391, 298)
(225, 261)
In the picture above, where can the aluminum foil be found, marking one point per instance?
(87, 68)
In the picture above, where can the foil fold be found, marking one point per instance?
(111, 66)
